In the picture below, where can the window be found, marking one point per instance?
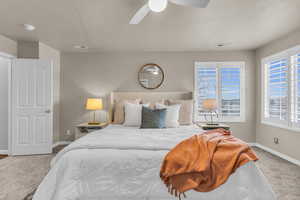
(295, 89)
(224, 82)
(277, 90)
(281, 90)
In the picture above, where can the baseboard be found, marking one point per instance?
(252, 144)
(4, 152)
(56, 144)
(276, 153)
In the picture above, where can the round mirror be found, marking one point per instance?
(151, 76)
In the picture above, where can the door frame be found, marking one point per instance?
(9, 79)
(10, 145)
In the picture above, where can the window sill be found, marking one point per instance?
(296, 129)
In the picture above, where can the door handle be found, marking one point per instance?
(48, 111)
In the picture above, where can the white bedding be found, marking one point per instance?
(123, 163)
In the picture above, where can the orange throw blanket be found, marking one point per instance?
(204, 162)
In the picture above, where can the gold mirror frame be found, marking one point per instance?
(143, 68)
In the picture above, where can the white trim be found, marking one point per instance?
(9, 107)
(5, 55)
(278, 125)
(252, 144)
(56, 144)
(276, 153)
(263, 88)
(51, 100)
(4, 152)
(286, 52)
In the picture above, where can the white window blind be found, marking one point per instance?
(206, 85)
(277, 90)
(221, 81)
(230, 91)
(281, 91)
(295, 89)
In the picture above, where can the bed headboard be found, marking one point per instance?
(145, 96)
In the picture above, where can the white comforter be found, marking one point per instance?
(119, 163)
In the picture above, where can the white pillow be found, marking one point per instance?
(133, 114)
(172, 115)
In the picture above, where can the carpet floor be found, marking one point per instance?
(20, 175)
(283, 176)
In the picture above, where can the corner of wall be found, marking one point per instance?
(265, 134)
(49, 53)
(257, 85)
(8, 46)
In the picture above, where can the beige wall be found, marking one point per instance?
(97, 74)
(48, 53)
(8, 46)
(289, 141)
(4, 92)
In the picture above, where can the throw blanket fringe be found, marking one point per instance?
(204, 162)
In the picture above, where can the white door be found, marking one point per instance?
(32, 107)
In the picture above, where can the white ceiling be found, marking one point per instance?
(103, 24)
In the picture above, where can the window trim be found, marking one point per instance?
(288, 124)
(241, 64)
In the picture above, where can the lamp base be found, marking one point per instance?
(94, 123)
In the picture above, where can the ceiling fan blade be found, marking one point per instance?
(193, 3)
(139, 16)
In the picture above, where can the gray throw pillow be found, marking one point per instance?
(153, 118)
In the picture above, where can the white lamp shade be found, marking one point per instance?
(210, 104)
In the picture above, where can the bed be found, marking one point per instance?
(123, 163)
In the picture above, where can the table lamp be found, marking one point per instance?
(94, 104)
(210, 107)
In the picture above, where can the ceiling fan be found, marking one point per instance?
(161, 5)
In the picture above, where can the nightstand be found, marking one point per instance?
(85, 128)
(204, 126)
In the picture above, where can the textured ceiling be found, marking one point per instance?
(103, 24)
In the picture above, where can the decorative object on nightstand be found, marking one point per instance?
(85, 128)
(210, 108)
(205, 126)
(94, 104)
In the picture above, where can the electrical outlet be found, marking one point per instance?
(276, 140)
(68, 132)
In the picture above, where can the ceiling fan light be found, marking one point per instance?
(28, 27)
(158, 5)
